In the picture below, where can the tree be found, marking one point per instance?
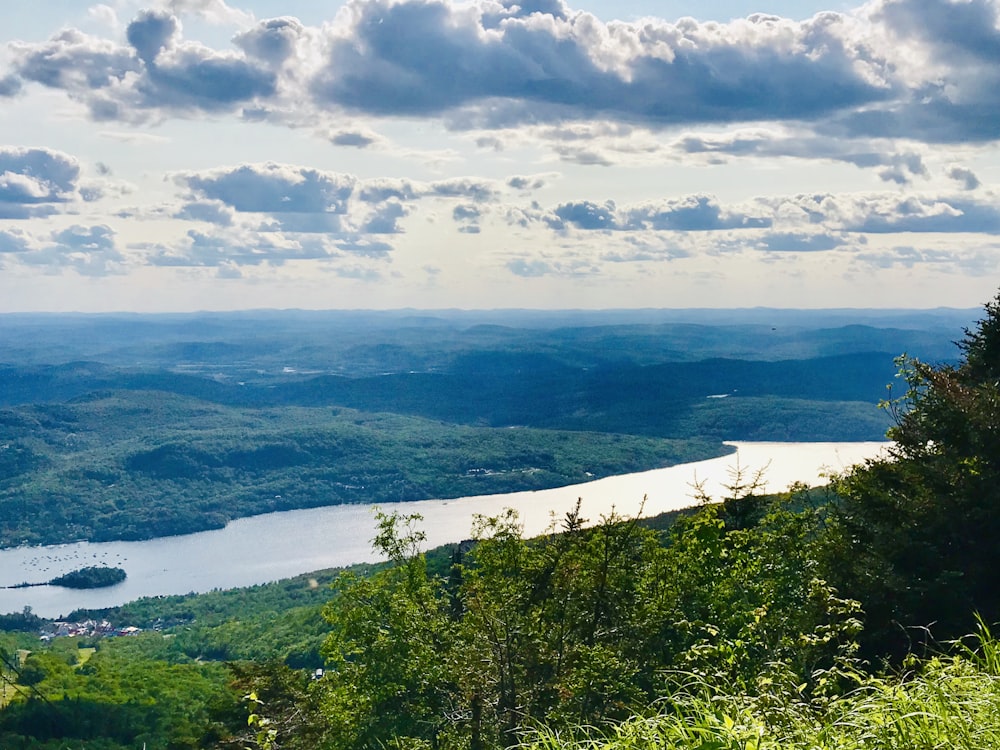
(577, 627)
(387, 651)
(914, 535)
(520, 631)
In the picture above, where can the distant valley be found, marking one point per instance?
(126, 427)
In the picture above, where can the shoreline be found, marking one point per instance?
(284, 544)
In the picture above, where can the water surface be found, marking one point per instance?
(279, 545)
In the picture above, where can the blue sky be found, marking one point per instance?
(208, 154)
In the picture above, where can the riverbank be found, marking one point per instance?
(280, 545)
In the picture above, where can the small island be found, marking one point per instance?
(94, 577)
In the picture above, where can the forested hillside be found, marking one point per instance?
(129, 427)
(137, 464)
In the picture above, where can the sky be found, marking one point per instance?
(180, 155)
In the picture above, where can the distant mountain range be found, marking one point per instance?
(134, 426)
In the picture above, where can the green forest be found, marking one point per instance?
(135, 465)
(857, 615)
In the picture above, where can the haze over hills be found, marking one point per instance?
(130, 426)
(362, 342)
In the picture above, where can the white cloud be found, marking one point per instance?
(507, 145)
(273, 188)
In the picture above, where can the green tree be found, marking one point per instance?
(387, 649)
(574, 628)
(914, 536)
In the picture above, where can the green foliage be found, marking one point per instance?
(25, 621)
(948, 701)
(93, 577)
(914, 534)
(770, 418)
(389, 633)
(278, 621)
(281, 709)
(579, 627)
(119, 700)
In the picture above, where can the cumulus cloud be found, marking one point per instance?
(154, 73)
(274, 41)
(976, 263)
(269, 211)
(529, 268)
(887, 213)
(273, 188)
(800, 242)
(355, 138)
(568, 266)
(365, 247)
(215, 11)
(924, 70)
(964, 175)
(467, 216)
(13, 241)
(99, 238)
(464, 187)
(304, 223)
(646, 249)
(945, 55)
(527, 183)
(152, 32)
(915, 214)
(695, 213)
(385, 218)
(966, 29)
(235, 249)
(191, 78)
(87, 250)
(892, 69)
(586, 215)
(37, 175)
(554, 8)
(584, 155)
(74, 61)
(301, 200)
(799, 223)
(211, 211)
(33, 181)
(383, 189)
(10, 85)
(423, 57)
(894, 166)
(466, 212)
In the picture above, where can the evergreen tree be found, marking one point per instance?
(915, 535)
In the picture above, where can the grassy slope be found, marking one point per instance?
(948, 701)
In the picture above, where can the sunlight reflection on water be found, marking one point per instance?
(279, 545)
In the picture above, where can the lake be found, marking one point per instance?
(280, 545)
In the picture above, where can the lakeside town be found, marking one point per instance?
(85, 629)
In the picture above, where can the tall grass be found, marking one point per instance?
(945, 701)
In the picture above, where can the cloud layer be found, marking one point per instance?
(899, 99)
(921, 69)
